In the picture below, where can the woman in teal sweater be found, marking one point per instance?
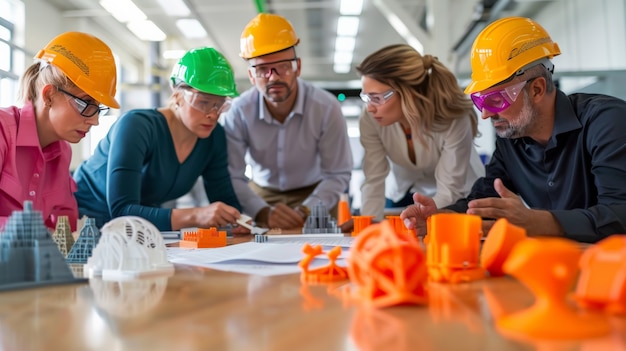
(151, 156)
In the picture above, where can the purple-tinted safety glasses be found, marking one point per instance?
(499, 100)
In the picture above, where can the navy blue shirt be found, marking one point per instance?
(135, 169)
(579, 176)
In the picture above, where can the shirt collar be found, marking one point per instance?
(27, 134)
(27, 130)
(298, 108)
(565, 120)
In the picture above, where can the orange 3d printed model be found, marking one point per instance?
(203, 238)
(602, 281)
(329, 273)
(453, 248)
(502, 237)
(360, 223)
(548, 267)
(388, 268)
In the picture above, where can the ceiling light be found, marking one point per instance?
(342, 57)
(191, 28)
(146, 30)
(347, 26)
(176, 8)
(341, 67)
(123, 10)
(345, 43)
(351, 7)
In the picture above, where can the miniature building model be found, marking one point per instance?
(87, 240)
(130, 247)
(28, 255)
(202, 238)
(62, 235)
(319, 221)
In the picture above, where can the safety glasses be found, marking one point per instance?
(86, 108)
(206, 103)
(377, 99)
(499, 100)
(282, 68)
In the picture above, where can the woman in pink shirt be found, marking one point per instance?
(64, 92)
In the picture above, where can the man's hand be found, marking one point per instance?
(511, 207)
(414, 216)
(284, 217)
(508, 205)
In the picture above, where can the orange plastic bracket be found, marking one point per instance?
(548, 267)
(387, 268)
(453, 248)
(203, 238)
(326, 274)
(602, 281)
(502, 237)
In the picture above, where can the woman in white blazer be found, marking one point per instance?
(417, 131)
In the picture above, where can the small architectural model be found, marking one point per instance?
(28, 255)
(398, 224)
(130, 247)
(260, 238)
(320, 222)
(453, 248)
(388, 268)
(548, 267)
(602, 281)
(329, 273)
(343, 209)
(84, 245)
(360, 223)
(202, 238)
(62, 235)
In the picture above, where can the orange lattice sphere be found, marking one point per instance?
(387, 267)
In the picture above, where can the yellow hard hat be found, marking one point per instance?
(265, 34)
(87, 61)
(504, 47)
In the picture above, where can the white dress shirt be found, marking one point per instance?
(444, 170)
(310, 147)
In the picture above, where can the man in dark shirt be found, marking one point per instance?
(560, 161)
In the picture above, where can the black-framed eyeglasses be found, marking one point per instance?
(282, 68)
(85, 108)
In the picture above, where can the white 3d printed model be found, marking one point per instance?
(130, 247)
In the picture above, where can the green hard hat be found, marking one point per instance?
(205, 70)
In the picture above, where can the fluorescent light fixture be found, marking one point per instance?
(342, 57)
(341, 67)
(146, 30)
(176, 8)
(123, 10)
(347, 26)
(191, 28)
(351, 111)
(173, 54)
(404, 32)
(345, 44)
(350, 7)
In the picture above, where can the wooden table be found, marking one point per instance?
(203, 309)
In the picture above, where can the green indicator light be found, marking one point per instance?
(341, 97)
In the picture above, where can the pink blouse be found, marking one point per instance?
(28, 172)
